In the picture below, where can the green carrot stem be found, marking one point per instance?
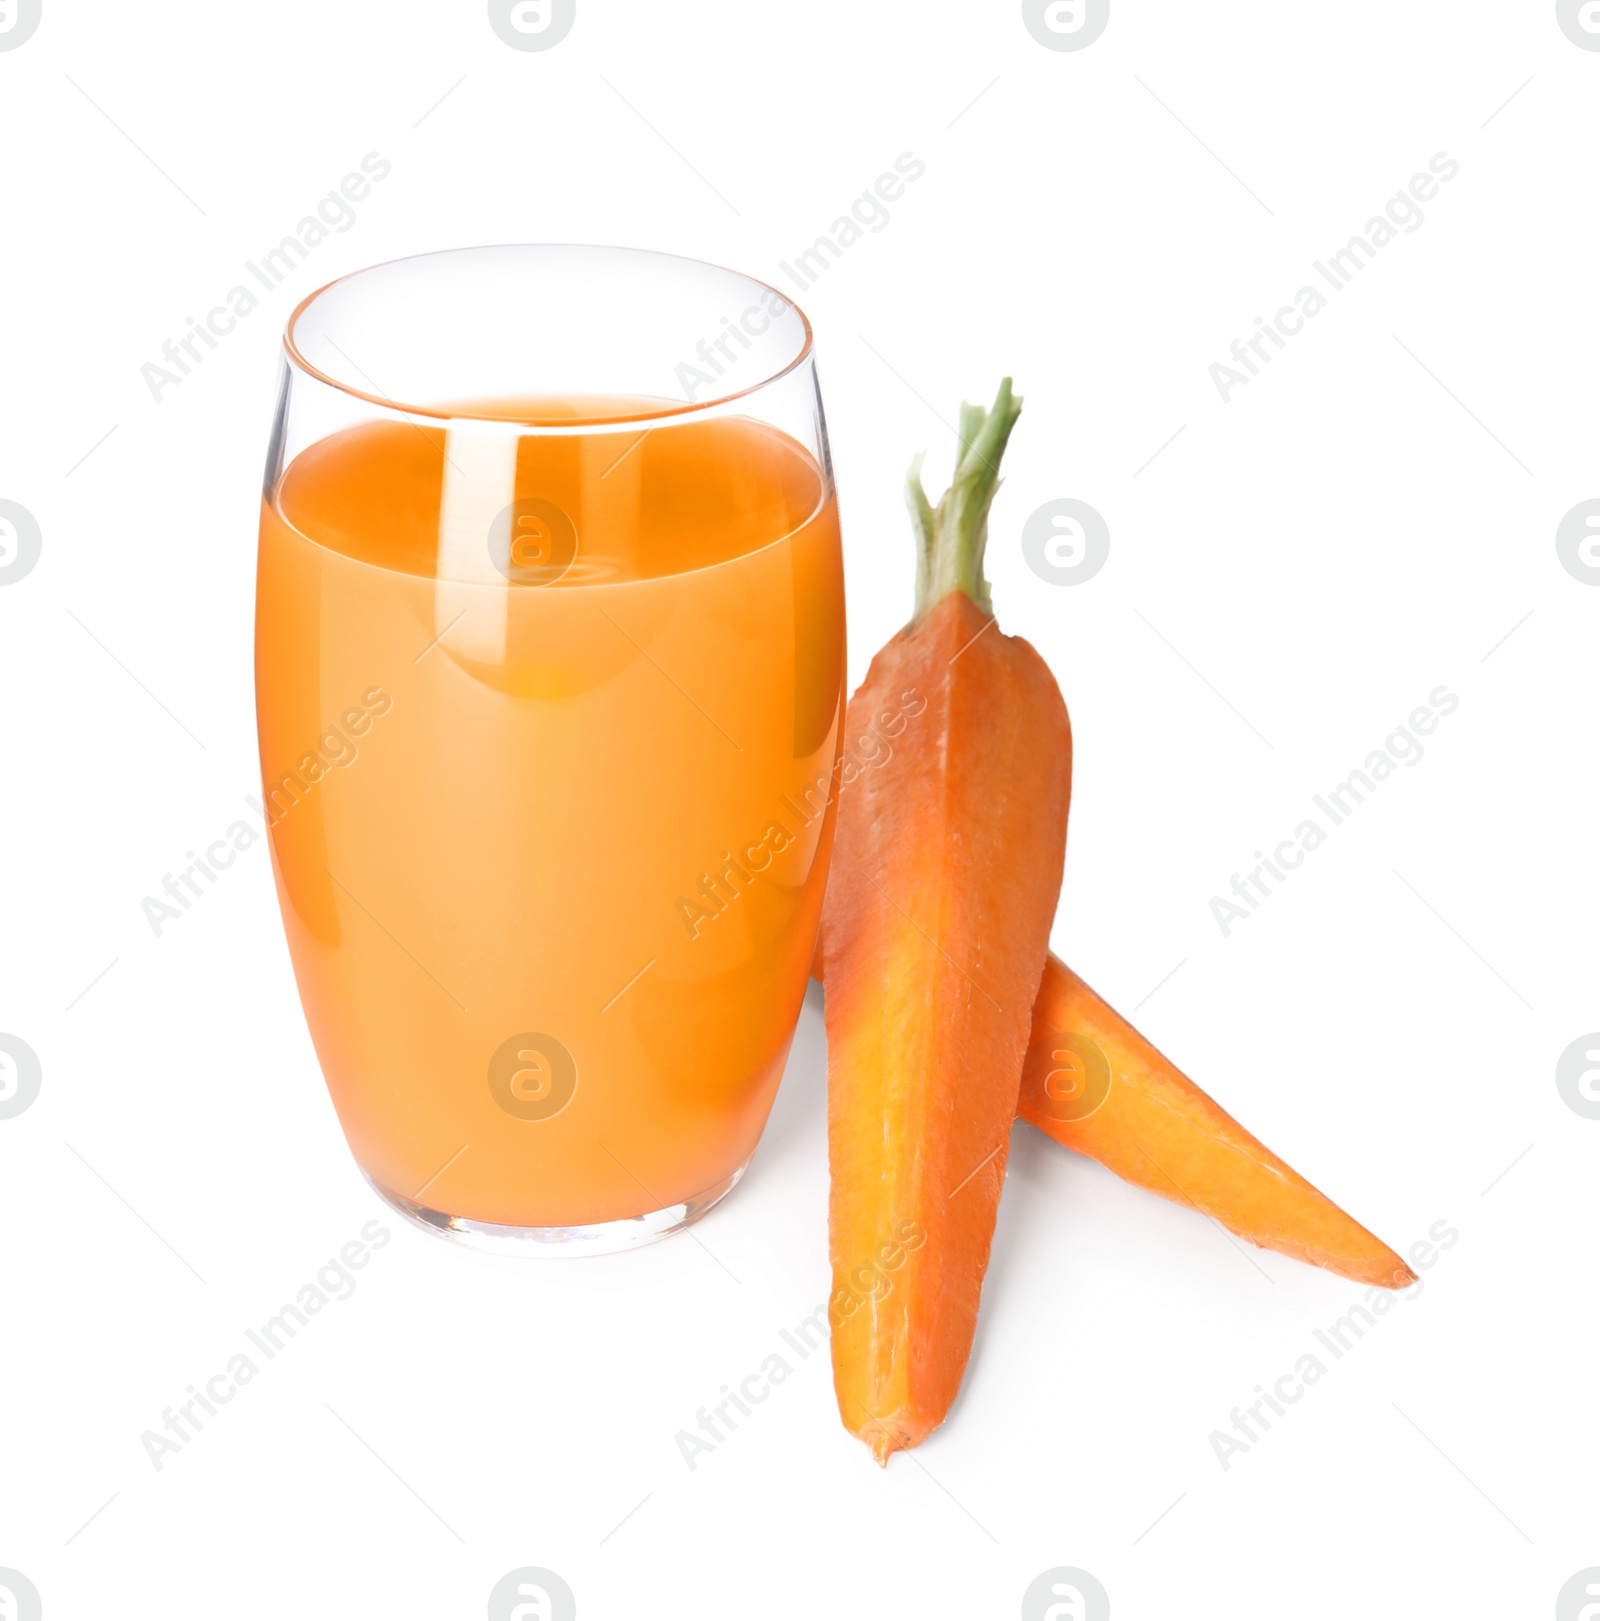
(951, 536)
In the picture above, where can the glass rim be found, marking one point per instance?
(668, 410)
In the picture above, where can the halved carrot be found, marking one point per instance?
(946, 868)
(1093, 1083)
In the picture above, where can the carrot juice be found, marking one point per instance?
(548, 716)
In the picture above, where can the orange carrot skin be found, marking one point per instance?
(1239, 1182)
(946, 871)
(1094, 1084)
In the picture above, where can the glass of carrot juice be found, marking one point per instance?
(549, 686)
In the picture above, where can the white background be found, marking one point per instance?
(1292, 574)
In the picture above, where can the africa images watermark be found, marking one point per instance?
(1066, 25)
(532, 25)
(334, 1281)
(1250, 1421)
(717, 1422)
(18, 21)
(1065, 1593)
(1580, 22)
(1403, 746)
(872, 1281)
(184, 889)
(1066, 542)
(1577, 1075)
(1403, 212)
(334, 751)
(335, 213)
(19, 1598)
(868, 212)
(21, 1075)
(20, 542)
(872, 748)
(735, 337)
(719, 354)
(532, 1593)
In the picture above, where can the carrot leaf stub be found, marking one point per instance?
(951, 536)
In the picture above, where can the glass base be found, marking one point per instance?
(598, 1238)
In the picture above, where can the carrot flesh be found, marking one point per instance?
(945, 875)
(1142, 1118)
(1095, 1085)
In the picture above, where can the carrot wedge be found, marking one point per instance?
(1094, 1084)
(946, 869)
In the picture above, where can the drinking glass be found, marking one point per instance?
(549, 685)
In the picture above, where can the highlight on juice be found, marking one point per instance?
(549, 665)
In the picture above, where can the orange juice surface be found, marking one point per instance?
(548, 724)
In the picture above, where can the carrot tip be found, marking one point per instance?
(884, 1439)
(883, 1442)
(1394, 1275)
